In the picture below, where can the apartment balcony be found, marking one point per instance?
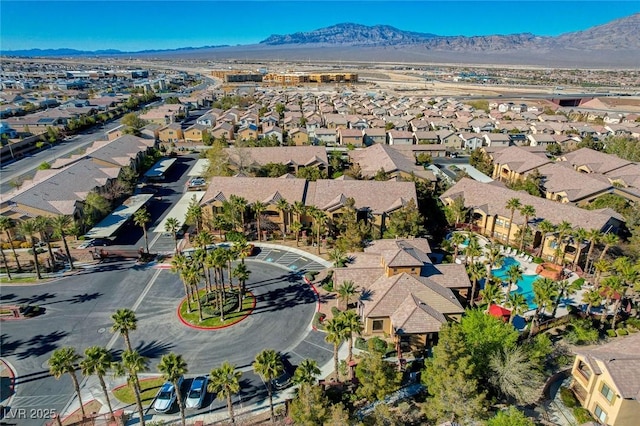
(579, 391)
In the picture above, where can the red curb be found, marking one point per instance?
(315, 290)
(198, 327)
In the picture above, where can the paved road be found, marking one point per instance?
(26, 167)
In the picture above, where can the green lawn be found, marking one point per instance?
(214, 322)
(149, 389)
(18, 280)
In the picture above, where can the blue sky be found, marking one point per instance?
(136, 25)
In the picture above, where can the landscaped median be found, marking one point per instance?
(213, 322)
(148, 387)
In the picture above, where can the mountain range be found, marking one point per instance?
(612, 45)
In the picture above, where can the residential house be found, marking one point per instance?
(471, 141)
(223, 131)
(247, 132)
(450, 139)
(606, 381)
(426, 137)
(514, 162)
(396, 163)
(245, 159)
(274, 132)
(497, 139)
(374, 135)
(410, 297)
(171, 133)
(350, 137)
(299, 136)
(326, 136)
(400, 137)
(490, 216)
(541, 139)
(560, 182)
(196, 133)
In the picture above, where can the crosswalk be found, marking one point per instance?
(290, 260)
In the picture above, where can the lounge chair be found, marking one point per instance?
(529, 258)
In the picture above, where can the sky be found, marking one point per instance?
(132, 25)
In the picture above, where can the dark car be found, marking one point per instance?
(284, 380)
(96, 242)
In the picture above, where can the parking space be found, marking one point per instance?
(288, 259)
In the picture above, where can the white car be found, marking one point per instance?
(166, 397)
(196, 393)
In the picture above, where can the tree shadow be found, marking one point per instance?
(251, 389)
(9, 346)
(42, 344)
(7, 296)
(365, 295)
(86, 297)
(286, 297)
(26, 378)
(153, 349)
(38, 298)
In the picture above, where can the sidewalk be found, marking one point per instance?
(7, 375)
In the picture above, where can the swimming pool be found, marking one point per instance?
(525, 284)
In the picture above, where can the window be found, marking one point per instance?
(607, 392)
(584, 370)
(377, 325)
(600, 414)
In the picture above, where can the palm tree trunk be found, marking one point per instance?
(35, 258)
(66, 249)
(473, 293)
(195, 285)
(146, 239)
(76, 385)
(350, 347)
(13, 249)
(180, 404)
(616, 307)
(6, 264)
(230, 408)
(335, 362)
(270, 399)
(127, 342)
(136, 392)
(318, 239)
(106, 394)
(188, 293)
(605, 312)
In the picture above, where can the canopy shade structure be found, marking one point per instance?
(112, 223)
(158, 170)
(179, 211)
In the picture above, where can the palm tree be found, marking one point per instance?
(194, 214)
(563, 230)
(544, 292)
(336, 333)
(345, 291)
(472, 250)
(224, 381)
(614, 290)
(179, 263)
(6, 263)
(546, 228)
(494, 259)
(141, 218)
(514, 274)
(601, 266)
(172, 225)
(238, 206)
(124, 321)
(528, 211)
(61, 225)
(306, 372)
(353, 325)
(7, 225)
(259, 208)
(337, 256)
(268, 365)
(592, 298)
(609, 240)
(296, 227)
(98, 360)
(564, 288)
(132, 364)
(320, 218)
(64, 360)
(283, 207)
(512, 205)
(173, 368)
(299, 209)
(241, 272)
(28, 228)
(457, 239)
(476, 272)
(518, 305)
(593, 236)
(202, 239)
(490, 294)
(43, 223)
(191, 277)
(579, 236)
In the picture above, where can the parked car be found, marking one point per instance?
(196, 393)
(166, 397)
(96, 242)
(283, 381)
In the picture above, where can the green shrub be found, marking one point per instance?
(318, 318)
(634, 322)
(328, 286)
(568, 398)
(335, 311)
(538, 260)
(582, 415)
(376, 344)
(582, 332)
(311, 275)
(361, 344)
(210, 307)
(611, 333)
(579, 281)
(632, 329)
(622, 332)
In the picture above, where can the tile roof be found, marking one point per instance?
(558, 178)
(518, 159)
(621, 358)
(415, 316)
(493, 199)
(597, 162)
(388, 158)
(263, 189)
(293, 155)
(378, 197)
